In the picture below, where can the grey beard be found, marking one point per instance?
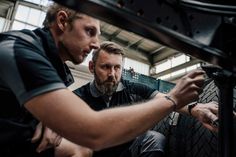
(106, 90)
(102, 88)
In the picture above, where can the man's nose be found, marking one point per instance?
(112, 71)
(95, 44)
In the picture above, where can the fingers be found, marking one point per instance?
(195, 73)
(215, 123)
(50, 139)
(198, 80)
(42, 146)
(214, 110)
(37, 133)
(212, 121)
(210, 127)
(188, 88)
(45, 140)
(212, 117)
(58, 140)
(213, 107)
(207, 114)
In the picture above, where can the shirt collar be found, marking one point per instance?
(52, 53)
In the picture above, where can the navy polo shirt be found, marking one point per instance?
(127, 93)
(29, 66)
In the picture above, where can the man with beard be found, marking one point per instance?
(109, 90)
(33, 87)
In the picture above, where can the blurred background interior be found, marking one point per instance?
(152, 62)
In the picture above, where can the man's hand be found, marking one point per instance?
(70, 149)
(187, 88)
(49, 138)
(207, 114)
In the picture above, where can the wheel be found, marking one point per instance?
(189, 138)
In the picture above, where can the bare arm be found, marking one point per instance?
(69, 116)
(72, 118)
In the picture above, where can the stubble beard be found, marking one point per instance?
(104, 87)
(69, 55)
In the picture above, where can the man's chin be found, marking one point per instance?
(110, 85)
(79, 61)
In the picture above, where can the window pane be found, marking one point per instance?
(2, 22)
(193, 67)
(45, 2)
(137, 66)
(30, 16)
(30, 27)
(34, 17)
(41, 19)
(18, 25)
(179, 72)
(179, 60)
(165, 77)
(22, 13)
(41, 2)
(163, 66)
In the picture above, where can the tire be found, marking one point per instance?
(189, 138)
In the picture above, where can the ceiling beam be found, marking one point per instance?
(163, 55)
(113, 35)
(176, 68)
(135, 44)
(154, 52)
(136, 54)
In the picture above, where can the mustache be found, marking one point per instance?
(110, 79)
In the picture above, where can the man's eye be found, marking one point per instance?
(90, 32)
(117, 67)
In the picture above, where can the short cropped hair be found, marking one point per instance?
(52, 11)
(109, 47)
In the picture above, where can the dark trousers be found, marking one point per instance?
(150, 144)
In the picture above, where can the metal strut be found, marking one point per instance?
(225, 81)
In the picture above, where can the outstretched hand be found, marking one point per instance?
(188, 88)
(49, 138)
(207, 114)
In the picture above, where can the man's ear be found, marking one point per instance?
(62, 18)
(91, 67)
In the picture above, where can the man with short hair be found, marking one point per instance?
(33, 87)
(109, 90)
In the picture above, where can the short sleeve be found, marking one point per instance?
(25, 71)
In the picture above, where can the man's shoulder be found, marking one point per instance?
(137, 88)
(24, 34)
(22, 37)
(130, 84)
(81, 91)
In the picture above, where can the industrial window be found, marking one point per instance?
(40, 2)
(2, 23)
(28, 18)
(138, 67)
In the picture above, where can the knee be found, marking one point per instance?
(158, 140)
